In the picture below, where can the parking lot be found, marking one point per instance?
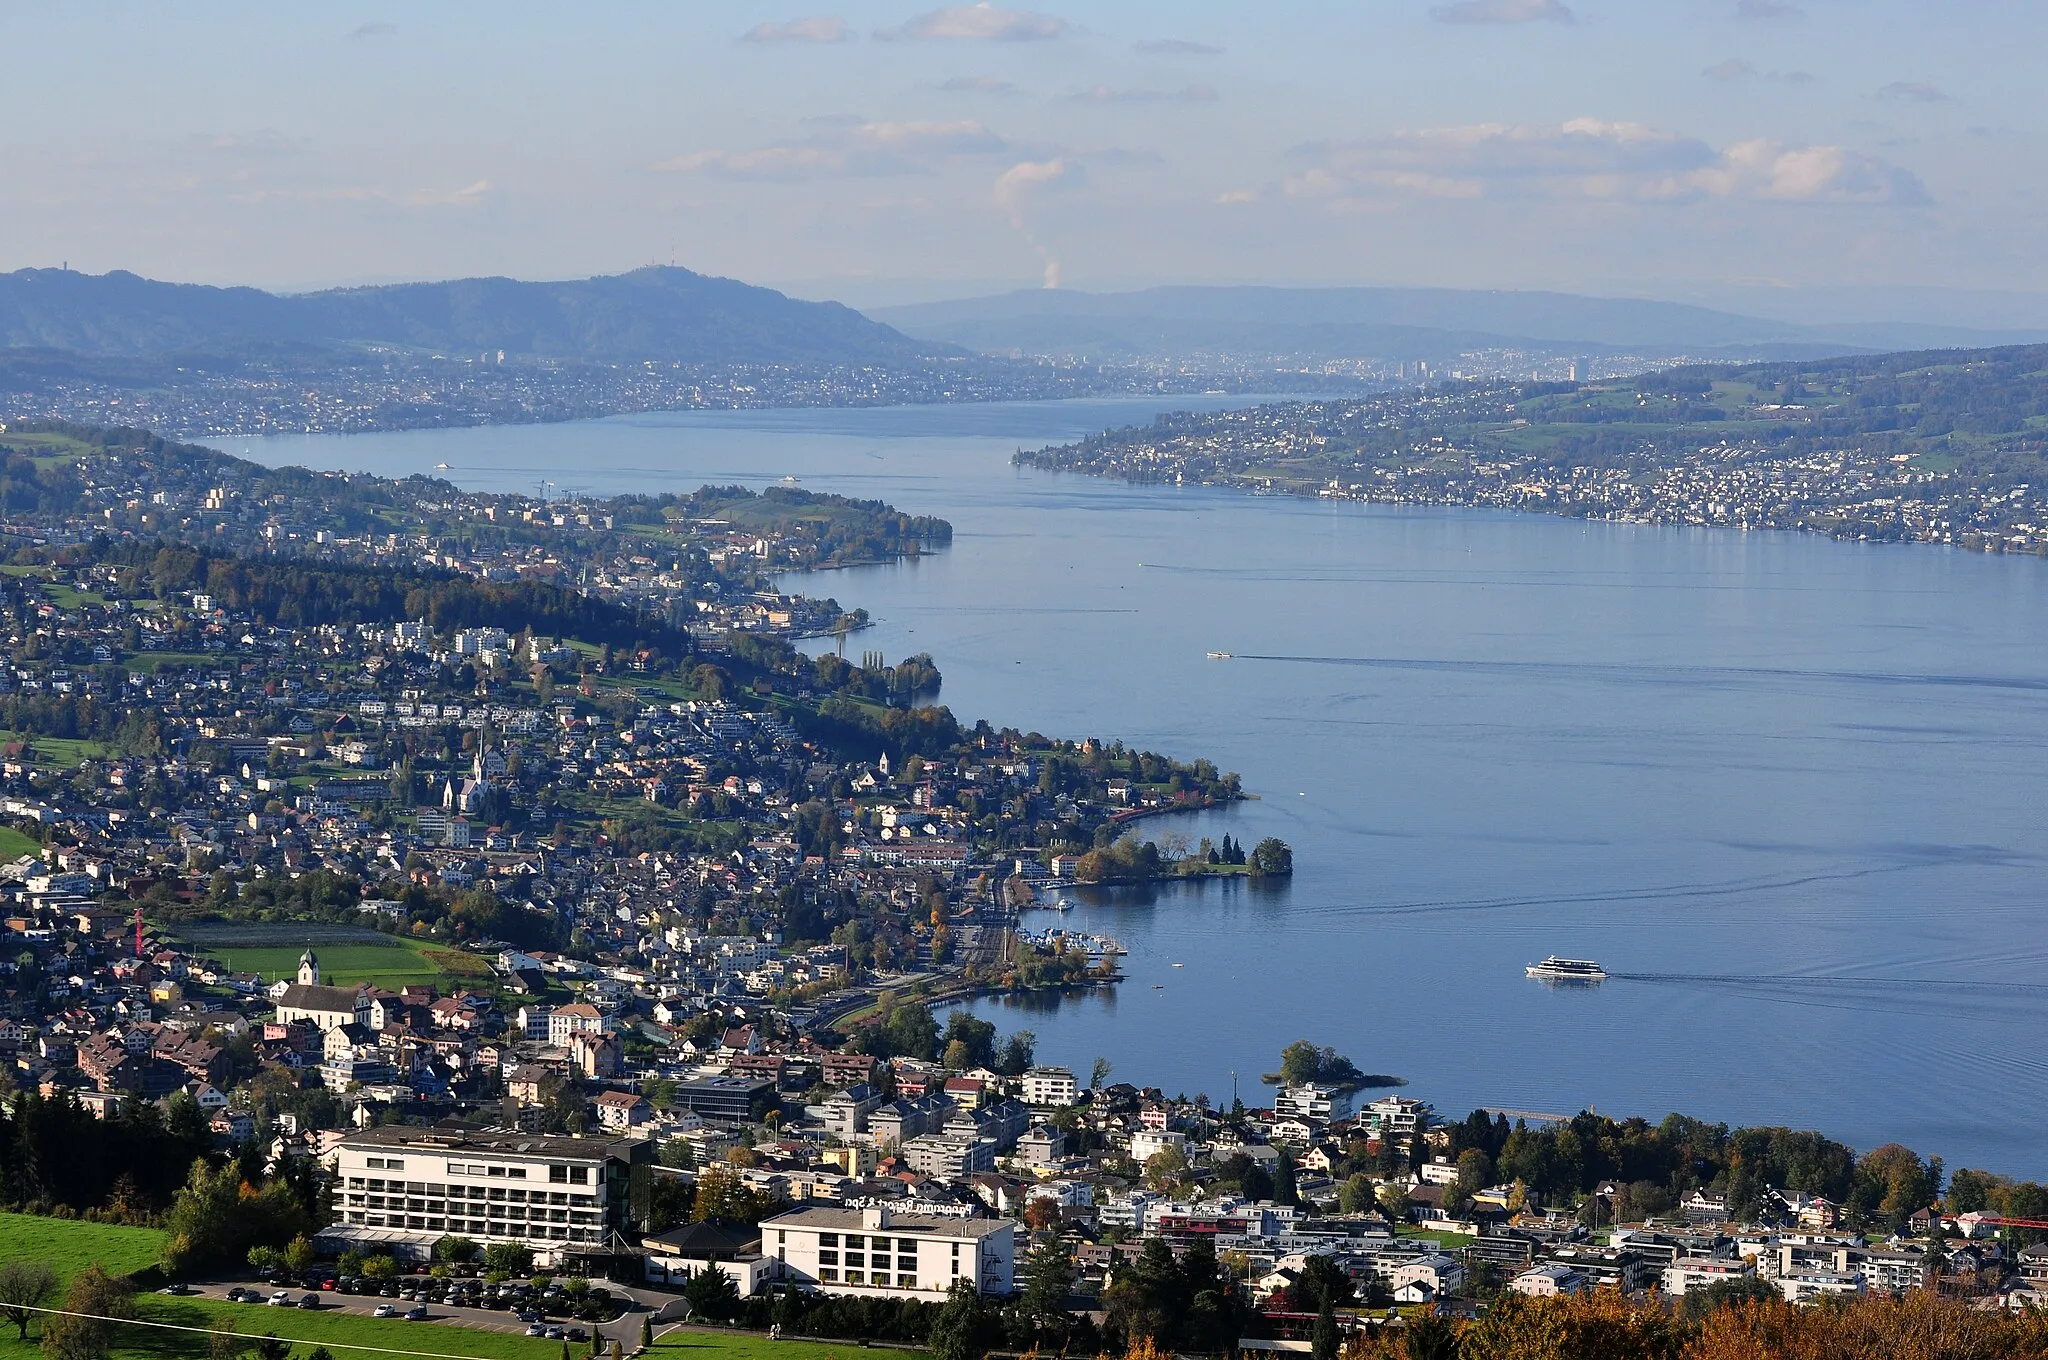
(554, 1324)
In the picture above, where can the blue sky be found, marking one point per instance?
(1707, 148)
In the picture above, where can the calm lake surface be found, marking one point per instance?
(1791, 792)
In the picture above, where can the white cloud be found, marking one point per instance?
(1590, 159)
(1913, 92)
(980, 23)
(1234, 196)
(1187, 94)
(818, 30)
(965, 137)
(1503, 12)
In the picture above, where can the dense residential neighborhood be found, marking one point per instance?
(448, 908)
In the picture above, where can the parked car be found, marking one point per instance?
(384, 1310)
(175, 1288)
(554, 1334)
(577, 1334)
(309, 1300)
(241, 1295)
(418, 1314)
(281, 1299)
(535, 1329)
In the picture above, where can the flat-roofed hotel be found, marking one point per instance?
(882, 1251)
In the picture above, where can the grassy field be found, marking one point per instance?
(335, 1330)
(390, 963)
(151, 662)
(68, 1247)
(691, 1344)
(13, 845)
(57, 753)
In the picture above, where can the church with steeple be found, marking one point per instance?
(328, 1007)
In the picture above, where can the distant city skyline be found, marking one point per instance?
(1754, 154)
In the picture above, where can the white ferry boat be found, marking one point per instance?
(1555, 969)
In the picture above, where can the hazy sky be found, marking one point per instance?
(886, 150)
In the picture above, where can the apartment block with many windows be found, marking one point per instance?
(880, 1251)
(404, 1188)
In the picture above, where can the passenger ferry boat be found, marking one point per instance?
(1555, 969)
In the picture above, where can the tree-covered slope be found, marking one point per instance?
(661, 314)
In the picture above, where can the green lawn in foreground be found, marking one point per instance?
(691, 1344)
(68, 1246)
(398, 963)
(332, 1329)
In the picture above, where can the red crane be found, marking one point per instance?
(138, 932)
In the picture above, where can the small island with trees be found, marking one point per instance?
(1304, 1064)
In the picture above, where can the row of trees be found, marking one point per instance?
(304, 594)
(1655, 1165)
(1132, 859)
(909, 1030)
(1919, 1325)
(57, 1156)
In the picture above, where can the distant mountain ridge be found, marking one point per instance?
(1427, 323)
(662, 314)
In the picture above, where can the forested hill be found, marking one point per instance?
(664, 315)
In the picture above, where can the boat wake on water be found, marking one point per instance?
(1630, 673)
(1839, 982)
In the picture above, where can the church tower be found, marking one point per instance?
(309, 970)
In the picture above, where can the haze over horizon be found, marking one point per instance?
(1817, 160)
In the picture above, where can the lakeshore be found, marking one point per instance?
(1728, 763)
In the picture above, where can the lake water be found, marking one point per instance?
(1791, 792)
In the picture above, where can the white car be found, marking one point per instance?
(281, 1299)
(384, 1310)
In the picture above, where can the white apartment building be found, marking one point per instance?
(1149, 1143)
(1549, 1280)
(1398, 1114)
(1049, 1086)
(578, 1017)
(1312, 1102)
(880, 1251)
(406, 1187)
(1697, 1272)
